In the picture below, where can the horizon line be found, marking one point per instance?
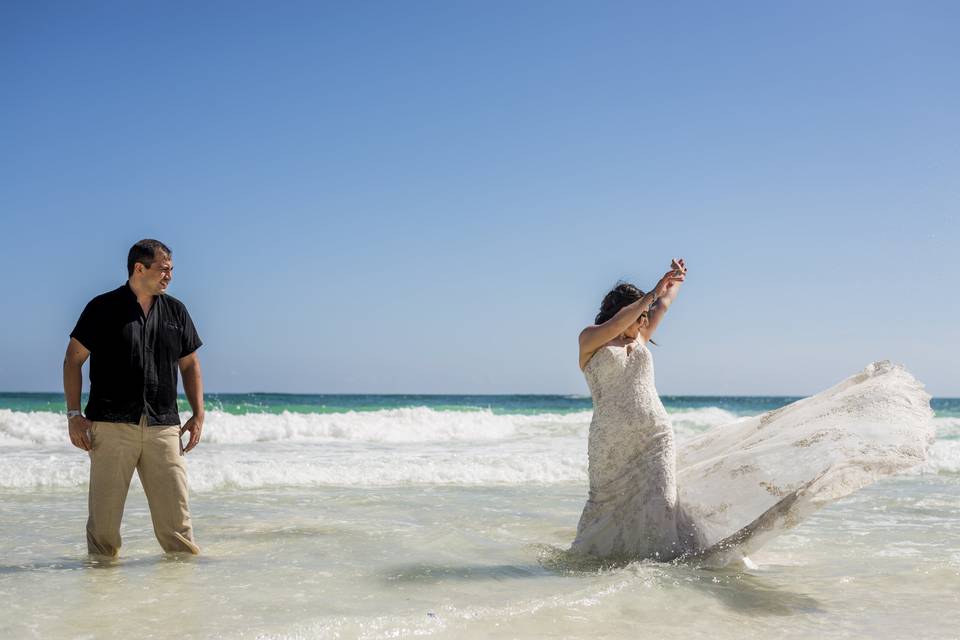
(475, 395)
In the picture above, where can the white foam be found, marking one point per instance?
(415, 446)
(251, 467)
(944, 454)
(211, 468)
(699, 420)
(415, 424)
(943, 457)
(947, 427)
(18, 428)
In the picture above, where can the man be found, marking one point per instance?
(136, 337)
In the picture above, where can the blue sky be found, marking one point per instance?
(433, 197)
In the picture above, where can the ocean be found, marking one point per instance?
(345, 516)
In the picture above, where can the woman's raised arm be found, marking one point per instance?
(663, 303)
(595, 336)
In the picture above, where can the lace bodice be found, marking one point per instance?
(622, 382)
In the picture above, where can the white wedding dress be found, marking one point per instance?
(728, 491)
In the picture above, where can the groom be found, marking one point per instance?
(136, 337)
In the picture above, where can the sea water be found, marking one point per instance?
(396, 516)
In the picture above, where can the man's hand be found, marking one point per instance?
(80, 432)
(195, 426)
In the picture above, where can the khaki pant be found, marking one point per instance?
(118, 449)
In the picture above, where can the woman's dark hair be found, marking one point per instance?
(145, 252)
(618, 297)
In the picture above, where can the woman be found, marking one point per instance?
(729, 490)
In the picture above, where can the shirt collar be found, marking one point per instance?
(127, 292)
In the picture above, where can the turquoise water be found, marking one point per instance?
(246, 403)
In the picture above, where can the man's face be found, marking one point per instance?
(158, 276)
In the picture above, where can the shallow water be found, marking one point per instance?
(472, 562)
(417, 521)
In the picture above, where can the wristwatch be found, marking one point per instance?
(73, 413)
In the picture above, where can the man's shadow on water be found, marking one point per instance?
(743, 592)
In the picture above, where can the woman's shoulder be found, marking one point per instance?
(610, 345)
(585, 332)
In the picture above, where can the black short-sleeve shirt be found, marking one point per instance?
(133, 358)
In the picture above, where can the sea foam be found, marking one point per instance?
(394, 447)
(414, 424)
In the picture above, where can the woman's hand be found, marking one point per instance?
(669, 280)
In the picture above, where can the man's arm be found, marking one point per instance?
(193, 387)
(79, 426)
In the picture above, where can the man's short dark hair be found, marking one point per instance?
(145, 252)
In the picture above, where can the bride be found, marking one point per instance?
(724, 493)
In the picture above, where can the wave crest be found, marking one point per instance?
(393, 447)
(414, 424)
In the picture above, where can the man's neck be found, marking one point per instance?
(145, 298)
